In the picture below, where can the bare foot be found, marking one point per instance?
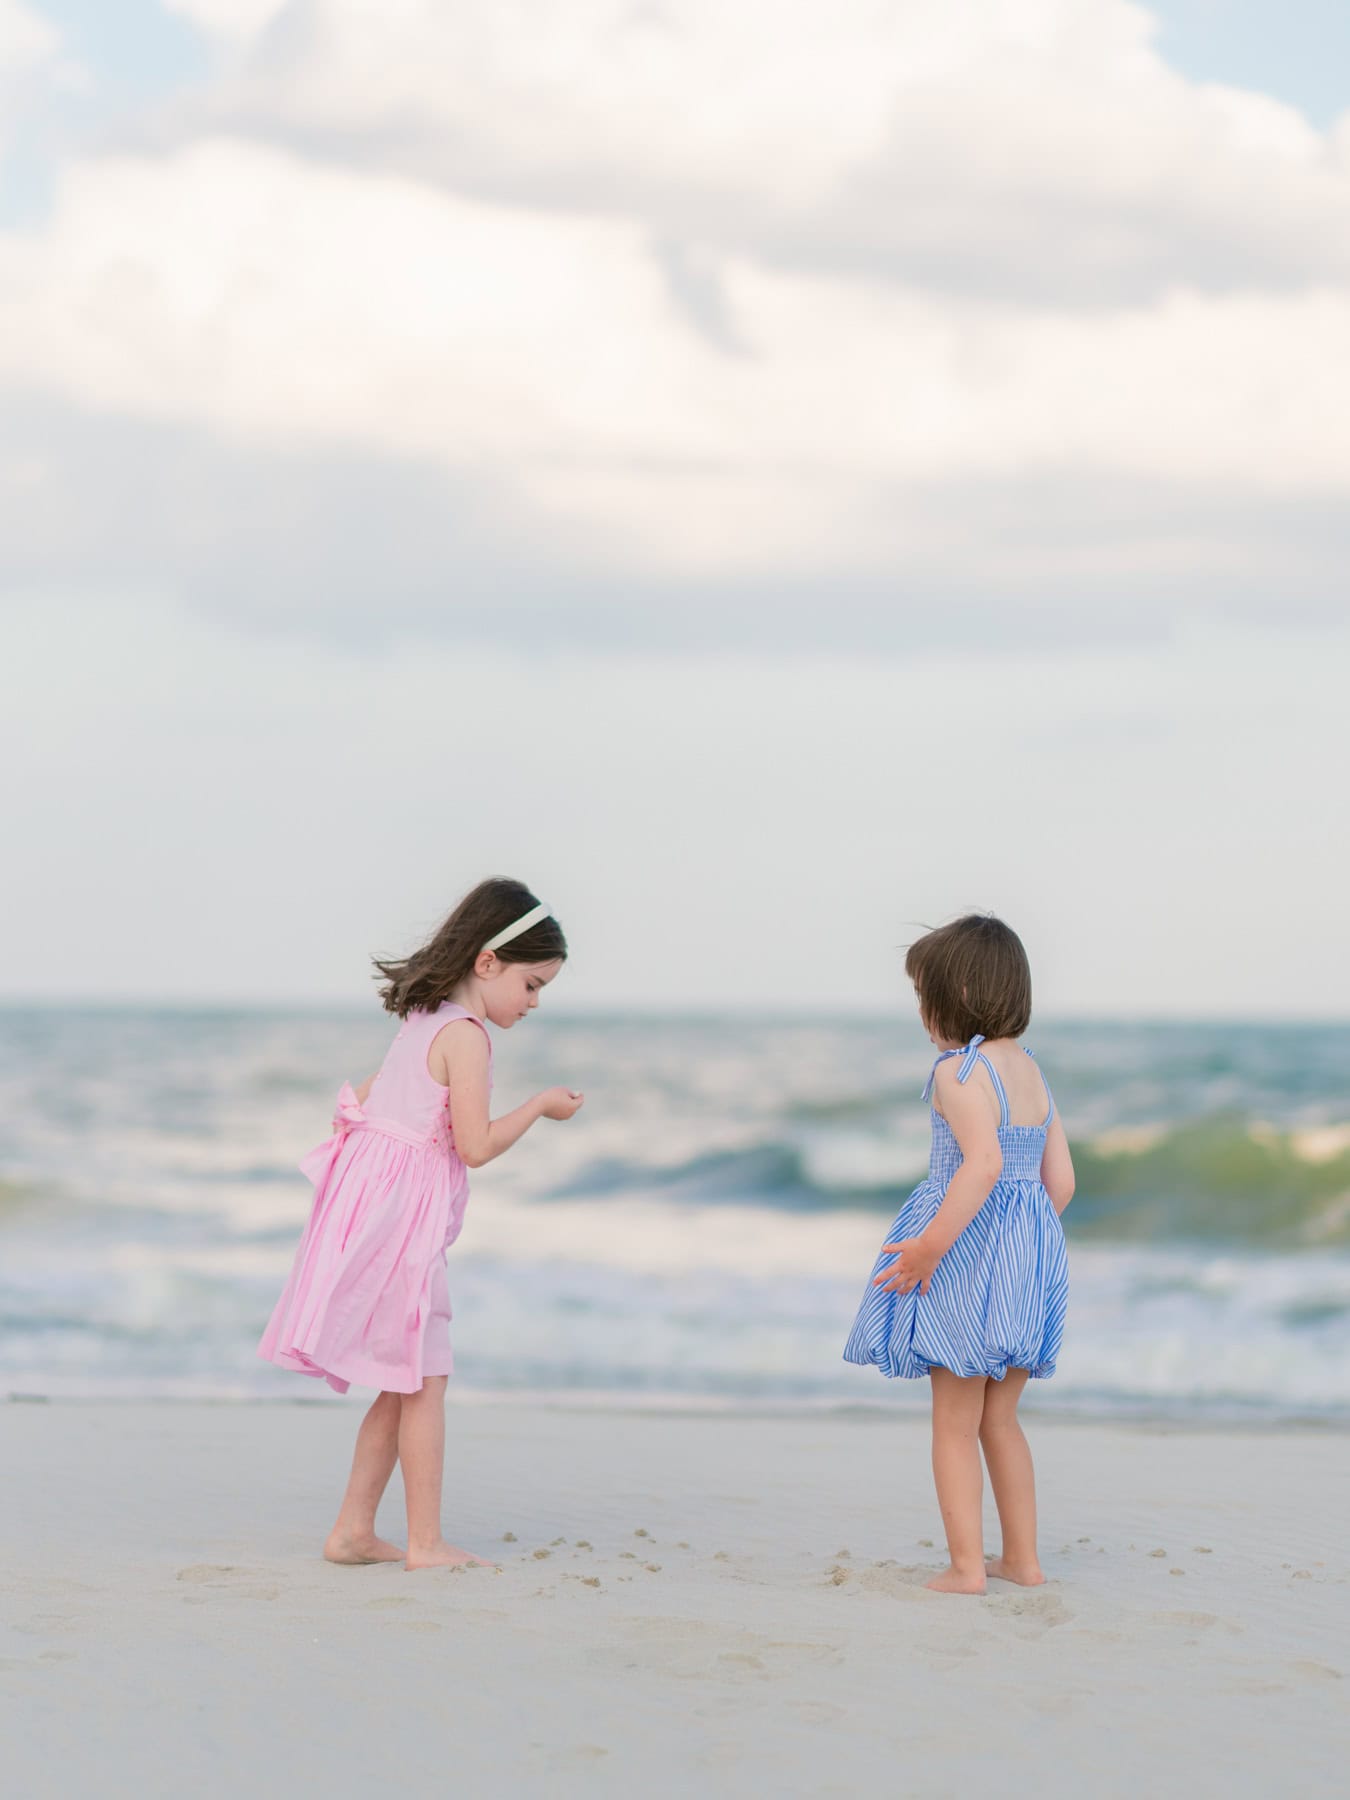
(446, 1556)
(342, 1548)
(952, 1581)
(1024, 1574)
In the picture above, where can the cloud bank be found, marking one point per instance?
(883, 309)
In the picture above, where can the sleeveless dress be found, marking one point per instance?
(367, 1299)
(997, 1299)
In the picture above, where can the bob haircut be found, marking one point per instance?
(420, 982)
(972, 979)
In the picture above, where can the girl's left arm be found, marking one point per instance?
(478, 1137)
(967, 1111)
(1057, 1166)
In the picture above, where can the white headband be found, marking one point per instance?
(521, 925)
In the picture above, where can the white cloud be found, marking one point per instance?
(27, 44)
(1038, 150)
(24, 37)
(237, 19)
(240, 288)
(774, 300)
(297, 540)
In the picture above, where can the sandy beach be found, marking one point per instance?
(687, 1604)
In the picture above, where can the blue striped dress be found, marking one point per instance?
(997, 1298)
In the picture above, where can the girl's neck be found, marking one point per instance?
(469, 995)
(986, 1043)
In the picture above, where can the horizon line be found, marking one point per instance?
(672, 1012)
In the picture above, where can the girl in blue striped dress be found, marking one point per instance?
(970, 1288)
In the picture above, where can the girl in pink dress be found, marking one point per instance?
(367, 1299)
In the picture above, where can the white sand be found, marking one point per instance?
(167, 1628)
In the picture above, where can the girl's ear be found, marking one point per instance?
(485, 965)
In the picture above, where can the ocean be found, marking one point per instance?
(701, 1233)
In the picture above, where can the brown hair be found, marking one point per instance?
(430, 975)
(972, 978)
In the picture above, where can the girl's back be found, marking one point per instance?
(1030, 1131)
(404, 1092)
(1021, 1128)
(1011, 1066)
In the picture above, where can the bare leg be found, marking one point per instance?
(958, 1403)
(353, 1539)
(421, 1450)
(1013, 1480)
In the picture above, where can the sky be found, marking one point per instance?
(772, 477)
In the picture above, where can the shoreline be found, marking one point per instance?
(685, 1603)
(1182, 1418)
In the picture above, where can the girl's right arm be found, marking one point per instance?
(969, 1113)
(478, 1137)
(1057, 1166)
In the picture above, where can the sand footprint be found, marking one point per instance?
(240, 1583)
(576, 1756)
(1033, 1607)
(815, 1712)
(900, 1581)
(695, 1650)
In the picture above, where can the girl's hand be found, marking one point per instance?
(913, 1266)
(561, 1102)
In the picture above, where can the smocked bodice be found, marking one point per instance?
(1022, 1146)
(404, 1093)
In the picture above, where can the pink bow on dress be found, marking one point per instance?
(348, 1113)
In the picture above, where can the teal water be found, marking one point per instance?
(702, 1229)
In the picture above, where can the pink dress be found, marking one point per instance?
(367, 1299)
